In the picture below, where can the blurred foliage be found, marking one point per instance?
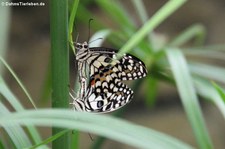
(177, 62)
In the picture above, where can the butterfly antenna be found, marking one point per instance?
(77, 38)
(76, 31)
(72, 92)
(89, 28)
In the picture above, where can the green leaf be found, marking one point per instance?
(18, 81)
(151, 24)
(4, 30)
(50, 139)
(110, 127)
(71, 23)
(188, 96)
(208, 71)
(208, 91)
(118, 14)
(15, 132)
(196, 31)
(14, 102)
(141, 10)
(220, 91)
(152, 85)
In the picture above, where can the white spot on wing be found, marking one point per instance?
(91, 98)
(129, 67)
(115, 89)
(98, 83)
(105, 84)
(98, 98)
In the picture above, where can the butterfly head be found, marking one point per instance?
(82, 50)
(80, 46)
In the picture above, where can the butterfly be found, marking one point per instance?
(102, 87)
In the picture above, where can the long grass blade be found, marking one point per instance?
(49, 140)
(206, 90)
(151, 24)
(5, 13)
(71, 23)
(220, 91)
(188, 96)
(18, 81)
(196, 31)
(110, 127)
(118, 14)
(15, 132)
(211, 72)
(14, 102)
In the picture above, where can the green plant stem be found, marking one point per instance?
(60, 63)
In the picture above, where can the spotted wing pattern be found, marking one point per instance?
(128, 67)
(105, 91)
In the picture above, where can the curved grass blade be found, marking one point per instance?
(71, 23)
(206, 90)
(217, 47)
(210, 52)
(11, 98)
(142, 13)
(18, 81)
(188, 96)
(118, 14)
(5, 13)
(50, 139)
(151, 24)
(15, 131)
(208, 71)
(194, 31)
(110, 127)
(220, 91)
(216, 55)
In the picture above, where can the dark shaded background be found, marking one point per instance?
(29, 54)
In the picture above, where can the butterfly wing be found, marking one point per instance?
(128, 67)
(106, 92)
(107, 98)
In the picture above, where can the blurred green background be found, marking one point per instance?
(28, 53)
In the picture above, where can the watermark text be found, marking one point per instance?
(10, 4)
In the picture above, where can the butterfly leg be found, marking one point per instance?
(78, 103)
(83, 87)
(82, 79)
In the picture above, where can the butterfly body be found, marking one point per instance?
(103, 90)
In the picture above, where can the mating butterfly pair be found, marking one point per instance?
(102, 89)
